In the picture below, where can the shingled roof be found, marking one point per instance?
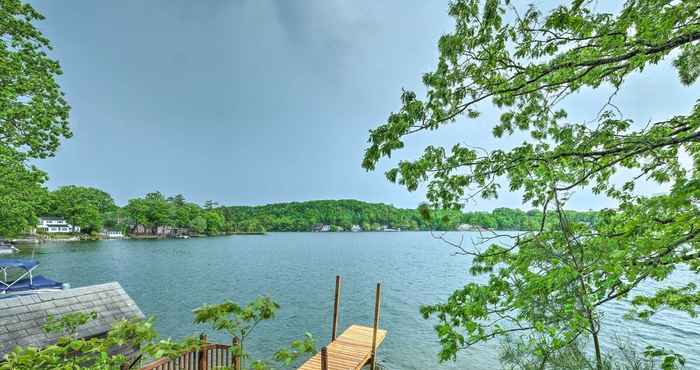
(22, 318)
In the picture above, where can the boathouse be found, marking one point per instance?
(22, 317)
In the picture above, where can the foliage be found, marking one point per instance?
(249, 226)
(152, 210)
(90, 208)
(33, 114)
(21, 193)
(517, 355)
(240, 322)
(301, 216)
(198, 225)
(81, 206)
(549, 285)
(216, 223)
(155, 210)
(69, 352)
(68, 324)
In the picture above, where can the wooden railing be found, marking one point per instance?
(210, 356)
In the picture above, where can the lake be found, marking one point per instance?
(169, 278)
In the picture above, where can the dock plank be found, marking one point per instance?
(350, 351)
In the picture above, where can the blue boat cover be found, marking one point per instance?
(38, 282)
(23, 264)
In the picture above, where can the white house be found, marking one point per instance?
(321, 228)
(112, 234)
(54, 225)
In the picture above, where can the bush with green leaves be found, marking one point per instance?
(516, 354)
(33, 115)
(240, 322)
(70, 352)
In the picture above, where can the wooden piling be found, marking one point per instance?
(336, 306)
(203, 361)
(324, 358)
(356, 347)
(375, 327)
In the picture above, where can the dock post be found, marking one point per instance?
(375, 327)
(202, 361)
(324, 358)
(236, 354)
(336, 305)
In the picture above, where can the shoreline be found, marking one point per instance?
(79, 238)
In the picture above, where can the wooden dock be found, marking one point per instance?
(350, 351)
(353, 349)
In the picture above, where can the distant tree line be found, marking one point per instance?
(155, 210)
(93, 210)
(343, 214)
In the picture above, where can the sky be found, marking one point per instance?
(254, 102)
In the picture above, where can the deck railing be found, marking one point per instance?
(210, 356)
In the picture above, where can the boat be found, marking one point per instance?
(17, 278)
(7, 247)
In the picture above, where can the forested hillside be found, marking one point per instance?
(301, 216)
(93, 209)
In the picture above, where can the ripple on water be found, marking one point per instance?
(169, 278)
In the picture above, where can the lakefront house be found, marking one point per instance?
(112, 234)
(321, 228)
(53, 225)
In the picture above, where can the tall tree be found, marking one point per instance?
(152, 210)
(549, 286)
(215, 222)
(33, 111)
(21, 193)
(82, 206)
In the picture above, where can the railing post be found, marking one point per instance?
(131, 362)
(202, 361)
(324, 358)
(236, 363)
(375, 327)
(336, 305)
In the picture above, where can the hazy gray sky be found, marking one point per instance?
(253, 102)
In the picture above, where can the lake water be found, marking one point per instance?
(169, 278)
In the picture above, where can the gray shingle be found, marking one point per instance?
(22, 318)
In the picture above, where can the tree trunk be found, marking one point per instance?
(236, 357)
(596, 345)
(242, 358)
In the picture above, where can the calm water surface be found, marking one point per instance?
(169, 278)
